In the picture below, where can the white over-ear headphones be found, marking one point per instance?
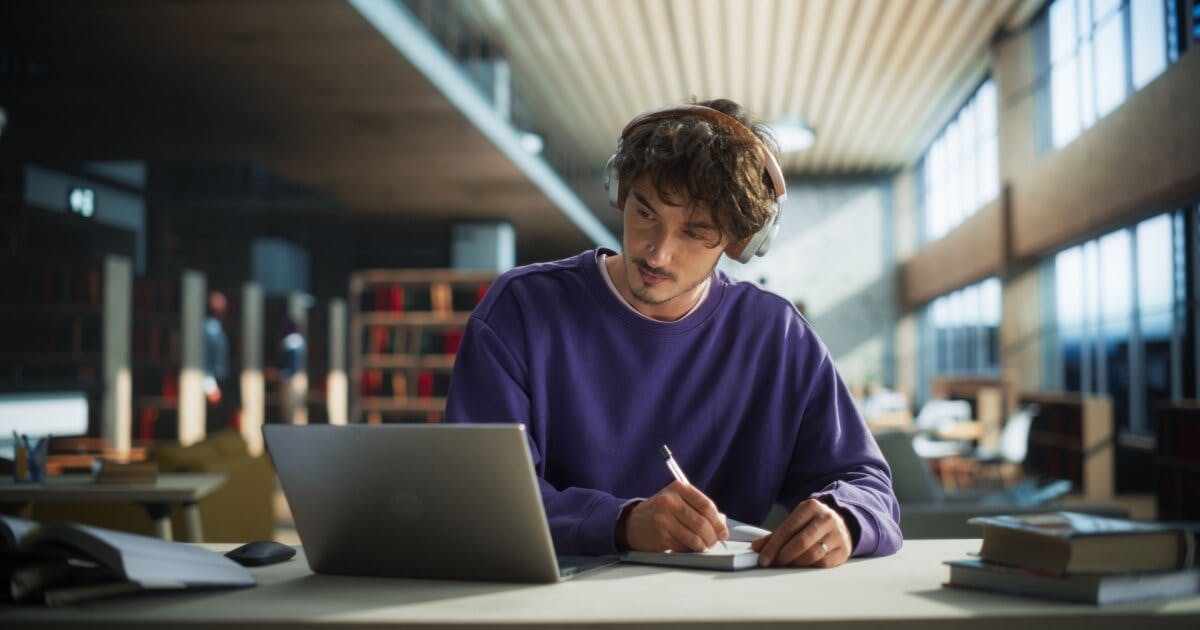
(756, 244)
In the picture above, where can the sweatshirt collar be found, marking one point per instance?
(615, 305)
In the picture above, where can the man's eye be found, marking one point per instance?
(644, 213)
(696, 236)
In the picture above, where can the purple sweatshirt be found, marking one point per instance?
(741, 389)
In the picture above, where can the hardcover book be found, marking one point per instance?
(1067, 543)
(1086, 588)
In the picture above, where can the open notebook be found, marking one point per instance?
(735, 555)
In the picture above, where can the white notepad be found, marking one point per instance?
(734, 555)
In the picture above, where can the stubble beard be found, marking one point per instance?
(642, 293)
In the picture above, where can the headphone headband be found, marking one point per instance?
(726, 122)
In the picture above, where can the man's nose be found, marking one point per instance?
(658, 251)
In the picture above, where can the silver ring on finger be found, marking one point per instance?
(824, 548)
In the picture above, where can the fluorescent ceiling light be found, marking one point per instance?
(792, 134)
(531, 142)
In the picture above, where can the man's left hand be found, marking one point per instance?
(813, 535)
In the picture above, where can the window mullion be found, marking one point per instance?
(1137, 350)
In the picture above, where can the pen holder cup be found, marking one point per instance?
(30, 460)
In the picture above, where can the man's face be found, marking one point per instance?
(671, 247)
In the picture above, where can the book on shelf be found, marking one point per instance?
(395, 298)
(441, 298)
(399, 386)
(62, 563)
(425, 384)
(379, 340)
(1069, 543)
(734, 555)
(1097, 588)
(451, 339)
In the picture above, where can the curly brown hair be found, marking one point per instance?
(712, 163)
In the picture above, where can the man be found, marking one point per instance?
(216, 363)
(604, 357)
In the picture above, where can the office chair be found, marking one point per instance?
(934, 416)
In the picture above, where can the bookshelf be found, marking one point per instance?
(1177, 461)
(1072, 438)
(64, 324)
(156, 358)
(168, 366)
(405, 327)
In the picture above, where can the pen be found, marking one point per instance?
(677, 472)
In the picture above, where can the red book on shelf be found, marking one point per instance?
(451, 339)
(372, 382)
(425, 384)
(396, 298)
(170, 386)
(480, 291)
(146, 420)
(381, 298)
(379, 339)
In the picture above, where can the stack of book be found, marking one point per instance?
(1082, 558)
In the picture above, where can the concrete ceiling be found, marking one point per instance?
(310, 90)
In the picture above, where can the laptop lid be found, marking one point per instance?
(454, 501)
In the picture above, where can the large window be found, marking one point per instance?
(961, 333)
(960, 170)
(1120, 304)
(1194, 21)
(1096, 53)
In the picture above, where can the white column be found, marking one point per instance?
(116, 415)
(336, 385)
(191, 375)
(253, 385)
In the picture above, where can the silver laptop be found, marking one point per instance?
(455, 501)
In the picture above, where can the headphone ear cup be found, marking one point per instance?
(758, 243)
(612, 182)
(771, 233)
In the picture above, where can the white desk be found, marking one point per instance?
(183, 489)
(898, 591)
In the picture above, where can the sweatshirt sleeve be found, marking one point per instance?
(837, 461)
(490, 384)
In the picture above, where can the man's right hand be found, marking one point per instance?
(678, 518)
